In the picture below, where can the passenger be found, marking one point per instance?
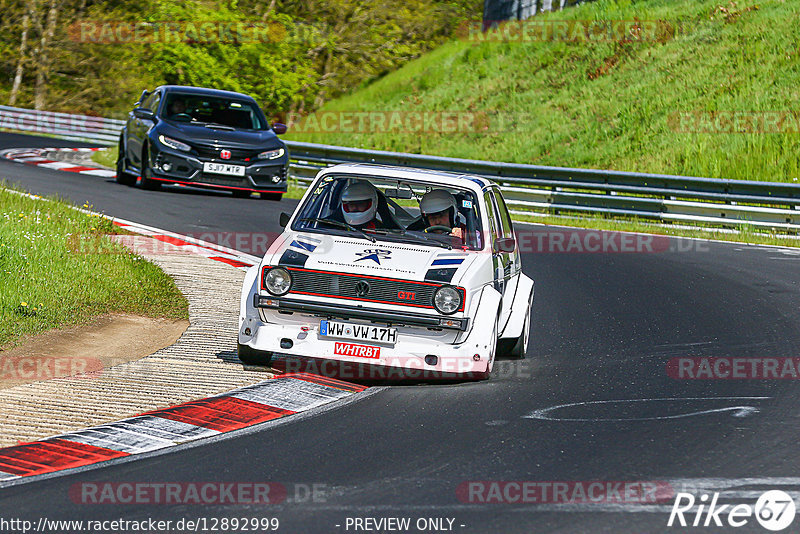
(360, 205)
(439, 208)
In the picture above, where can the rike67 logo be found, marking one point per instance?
(774, 510)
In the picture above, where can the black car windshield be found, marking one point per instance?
(390, 209)
(212, 111)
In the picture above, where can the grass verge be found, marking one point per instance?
(51, 281)
(107, 157)
(643, 104)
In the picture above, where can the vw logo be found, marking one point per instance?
(225, 154)
(362, 288)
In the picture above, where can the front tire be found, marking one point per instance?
(520, 348)
(272, 196)
(251, 356)
(145, 181)
(122, 178)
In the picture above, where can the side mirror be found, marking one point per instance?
(279, 128)
(145, 94)
(284, 219)
(504, 245)
(144, 114)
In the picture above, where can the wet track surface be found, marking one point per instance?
(605, 326)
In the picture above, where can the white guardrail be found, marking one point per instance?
(527, 188)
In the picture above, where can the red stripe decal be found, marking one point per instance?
(221, 413)
(51, 455)
(79, 169)
(233, 263)
(171, 240)
(325, 381)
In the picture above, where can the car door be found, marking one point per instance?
(510, 258)
(502, 260)
(138, 129)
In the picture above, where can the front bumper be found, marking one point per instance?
(422, 351)
(173, 166)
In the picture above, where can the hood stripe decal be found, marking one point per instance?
(305, 246)
(448, 261)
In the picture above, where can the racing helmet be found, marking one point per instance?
(359, 202)
(439, 200)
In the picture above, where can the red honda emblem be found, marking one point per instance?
(225, 154)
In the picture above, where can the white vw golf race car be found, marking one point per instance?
(390, 272)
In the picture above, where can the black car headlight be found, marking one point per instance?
(272, 154)
(173, 143)
(447, 300)
(277, 281)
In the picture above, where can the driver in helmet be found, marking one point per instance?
(177, 107)
(439, 208)
(360, 205)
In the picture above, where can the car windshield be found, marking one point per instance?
(213, 112)
(392, 210)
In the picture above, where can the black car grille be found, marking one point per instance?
(380, 290)
(237, 154)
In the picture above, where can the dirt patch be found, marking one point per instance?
(87, 350)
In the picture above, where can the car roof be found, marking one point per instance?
(410, 173)
(188, 89)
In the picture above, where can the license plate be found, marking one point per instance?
(223, 168)
(358, 332)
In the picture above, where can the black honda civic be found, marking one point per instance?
(204, 138)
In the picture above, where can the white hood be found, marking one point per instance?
(393, 260)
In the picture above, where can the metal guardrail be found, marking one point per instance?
(560, 189)
(527, 188)
(62, 125)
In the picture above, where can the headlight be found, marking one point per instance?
(174, 143)
(278, 281)
(272, 154)
(447, 300)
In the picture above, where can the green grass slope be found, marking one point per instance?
(612, 104)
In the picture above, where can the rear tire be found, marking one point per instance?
(251, 356)
(122, 178)
(145, 181)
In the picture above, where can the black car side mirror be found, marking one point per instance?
(279, 128)
(284, 219)
(144, 114)
(504, 245)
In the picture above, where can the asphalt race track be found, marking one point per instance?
(604, 327)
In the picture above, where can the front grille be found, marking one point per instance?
(237, 154)
(380, 290)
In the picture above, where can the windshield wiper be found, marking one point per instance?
(340, 224)
(218, 126)
(422, 237)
